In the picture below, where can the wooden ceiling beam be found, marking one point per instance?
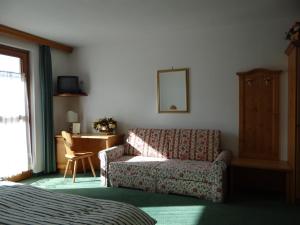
(21, 35)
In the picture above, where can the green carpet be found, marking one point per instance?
(250, 209)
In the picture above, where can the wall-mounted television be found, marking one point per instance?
(68, 84)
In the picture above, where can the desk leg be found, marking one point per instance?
(289, 198)
(231, 180)
(287, 187)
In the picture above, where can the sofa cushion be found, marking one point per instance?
(147, 142)
(185, 144)
(134, 165)
(184, 170)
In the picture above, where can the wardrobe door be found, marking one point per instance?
(259, 117)
(296, 69)
(293, 52)
(268, 117)
(250, 133)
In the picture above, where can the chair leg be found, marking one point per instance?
(66, 169)
(75, 169)
(91, 165)
(83, 165)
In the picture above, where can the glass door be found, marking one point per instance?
(15, 147)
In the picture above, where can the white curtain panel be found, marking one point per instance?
(15, 148)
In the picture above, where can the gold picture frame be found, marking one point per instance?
(173, 90)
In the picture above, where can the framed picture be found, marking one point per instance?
(76, 128)
(173, 90)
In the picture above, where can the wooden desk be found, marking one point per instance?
(85, 143)
(267, 165)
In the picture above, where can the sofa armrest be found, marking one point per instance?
(218, 175)
(111, 154)
(106, 156)
(223, 159)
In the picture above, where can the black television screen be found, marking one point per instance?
(68, 84)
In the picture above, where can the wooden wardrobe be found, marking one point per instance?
(293, 53)
(259, 114)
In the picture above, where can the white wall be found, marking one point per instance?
(120, 75)
(61, 64)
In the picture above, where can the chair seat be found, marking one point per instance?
(79, 155)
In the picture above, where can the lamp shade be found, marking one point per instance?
(72, 117)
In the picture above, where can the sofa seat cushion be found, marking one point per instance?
(190, 170)
(134, 165)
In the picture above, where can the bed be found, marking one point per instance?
(25, 204)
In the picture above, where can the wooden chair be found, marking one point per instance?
(73, 156)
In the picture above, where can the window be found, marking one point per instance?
(15, 144)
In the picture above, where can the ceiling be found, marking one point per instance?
(81, 22)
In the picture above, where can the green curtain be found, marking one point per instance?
(47, 109)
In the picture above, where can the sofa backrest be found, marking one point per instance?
(192, 144)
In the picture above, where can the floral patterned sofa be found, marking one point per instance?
(181, 161)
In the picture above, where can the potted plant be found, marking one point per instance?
(294, 32)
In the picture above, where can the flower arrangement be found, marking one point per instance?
(294, 32)
(105, 126)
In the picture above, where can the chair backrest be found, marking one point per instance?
(192, 144)
(68, 143)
